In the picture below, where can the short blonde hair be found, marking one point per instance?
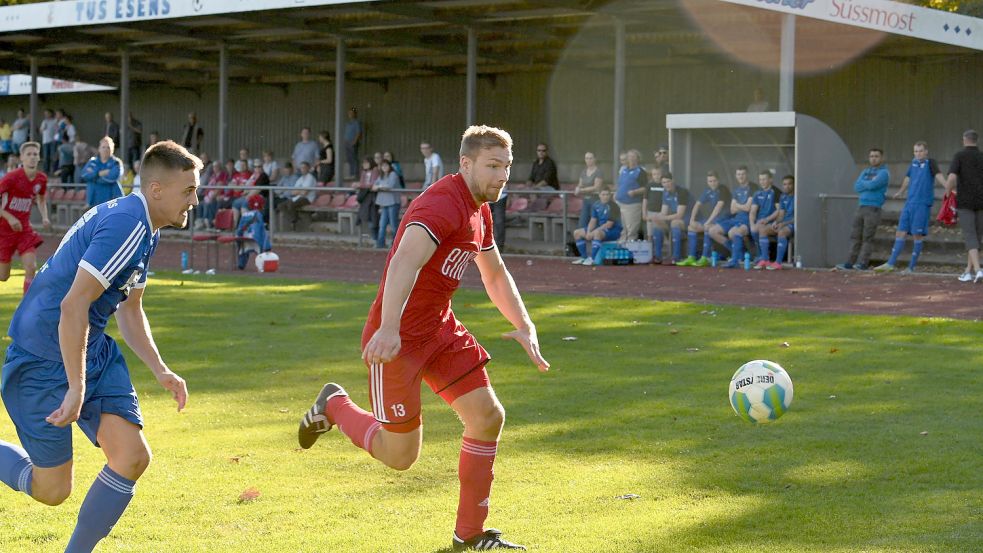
(482, 137)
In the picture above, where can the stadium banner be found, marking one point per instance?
(76, 13)
(886, 16)
(18, 85)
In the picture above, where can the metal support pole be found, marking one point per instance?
(472, 76)
(124, 103)
(619, 92)
(786, 78)
(340, 153)
(34, 100)
(223, 98)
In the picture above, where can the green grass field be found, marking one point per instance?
(636, 405)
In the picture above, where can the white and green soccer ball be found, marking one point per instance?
(760, 391)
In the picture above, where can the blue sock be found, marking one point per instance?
(595, 248)
(896, 251)
(707, 244)
(657, 242)
(582, 247)
(103, 505)
(691, 244)
(916, 250)
(677, 243)
(764, 244)
(737, 249)
(16, 468)
(782, 248)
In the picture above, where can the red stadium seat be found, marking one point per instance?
(339, 199)
(517, 205)
(324, 200)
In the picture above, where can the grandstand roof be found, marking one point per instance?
(384, 40)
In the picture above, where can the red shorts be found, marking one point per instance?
(452, 364)
(22, 242)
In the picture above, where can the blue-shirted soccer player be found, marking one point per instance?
(784, 224)
(705, 213)
(922, 177)
(604, 226)
(671, 217)
(764, 211)
(730, 232)
(62, 367)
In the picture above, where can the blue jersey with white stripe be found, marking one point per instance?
(787, 204)
(113, 242)
(765, 200)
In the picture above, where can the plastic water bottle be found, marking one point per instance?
(713, 259)
(747, 261)
(184, 261)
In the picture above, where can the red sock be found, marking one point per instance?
(356, 423)
(476, 475)
(27, 284)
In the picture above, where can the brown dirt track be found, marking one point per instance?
(925, 295)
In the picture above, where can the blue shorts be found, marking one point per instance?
(790, 227)
(733, 222)
(914, 219)
(32, 388)
(612, 234)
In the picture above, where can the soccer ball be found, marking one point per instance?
(760, 391)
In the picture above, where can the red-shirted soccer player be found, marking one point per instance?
(412, 335)
(18, 191)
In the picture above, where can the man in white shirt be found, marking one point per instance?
(432, 164)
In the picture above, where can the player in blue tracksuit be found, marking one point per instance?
(671, 217)
(604, 226)
(62, 368)
(101, 175)
(920, 181)
(764, 211)
(252, 231)
(784, 223)
(709, 209)
(730, 232)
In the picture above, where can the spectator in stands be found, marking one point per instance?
(82, 152)
(126, 181)
(871, 185)
(191, 137)
(102, 173)
(66, 160)
(671, 217)
(388, 201)
(258, 178)
(112, 128)
(622, 161)
(397, 168)
(923, 174)
(206, 173)
(730, 232)
(759, 103)
(305, 151)
(225, 196)
(6, 144)
(764, 212)
(709, 209)
(966, 178)
(662, 158)
(377, 158)
(286, 180)
(20, 130)
(632, 187)
(154, 138)
(298, 196)
(604, 226)
(136, 176)
(48, 128)
(543, 173)
(652, 201)
(270, 165)
(433, 166)
(588, 185)
(243, 157)
(368, 213)
(325, 158)
(209, 199)
(134, 139)
(70, 129)
(353, 140)
(13, 162)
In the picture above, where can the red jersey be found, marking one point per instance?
(17, 194)
(460, 228)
